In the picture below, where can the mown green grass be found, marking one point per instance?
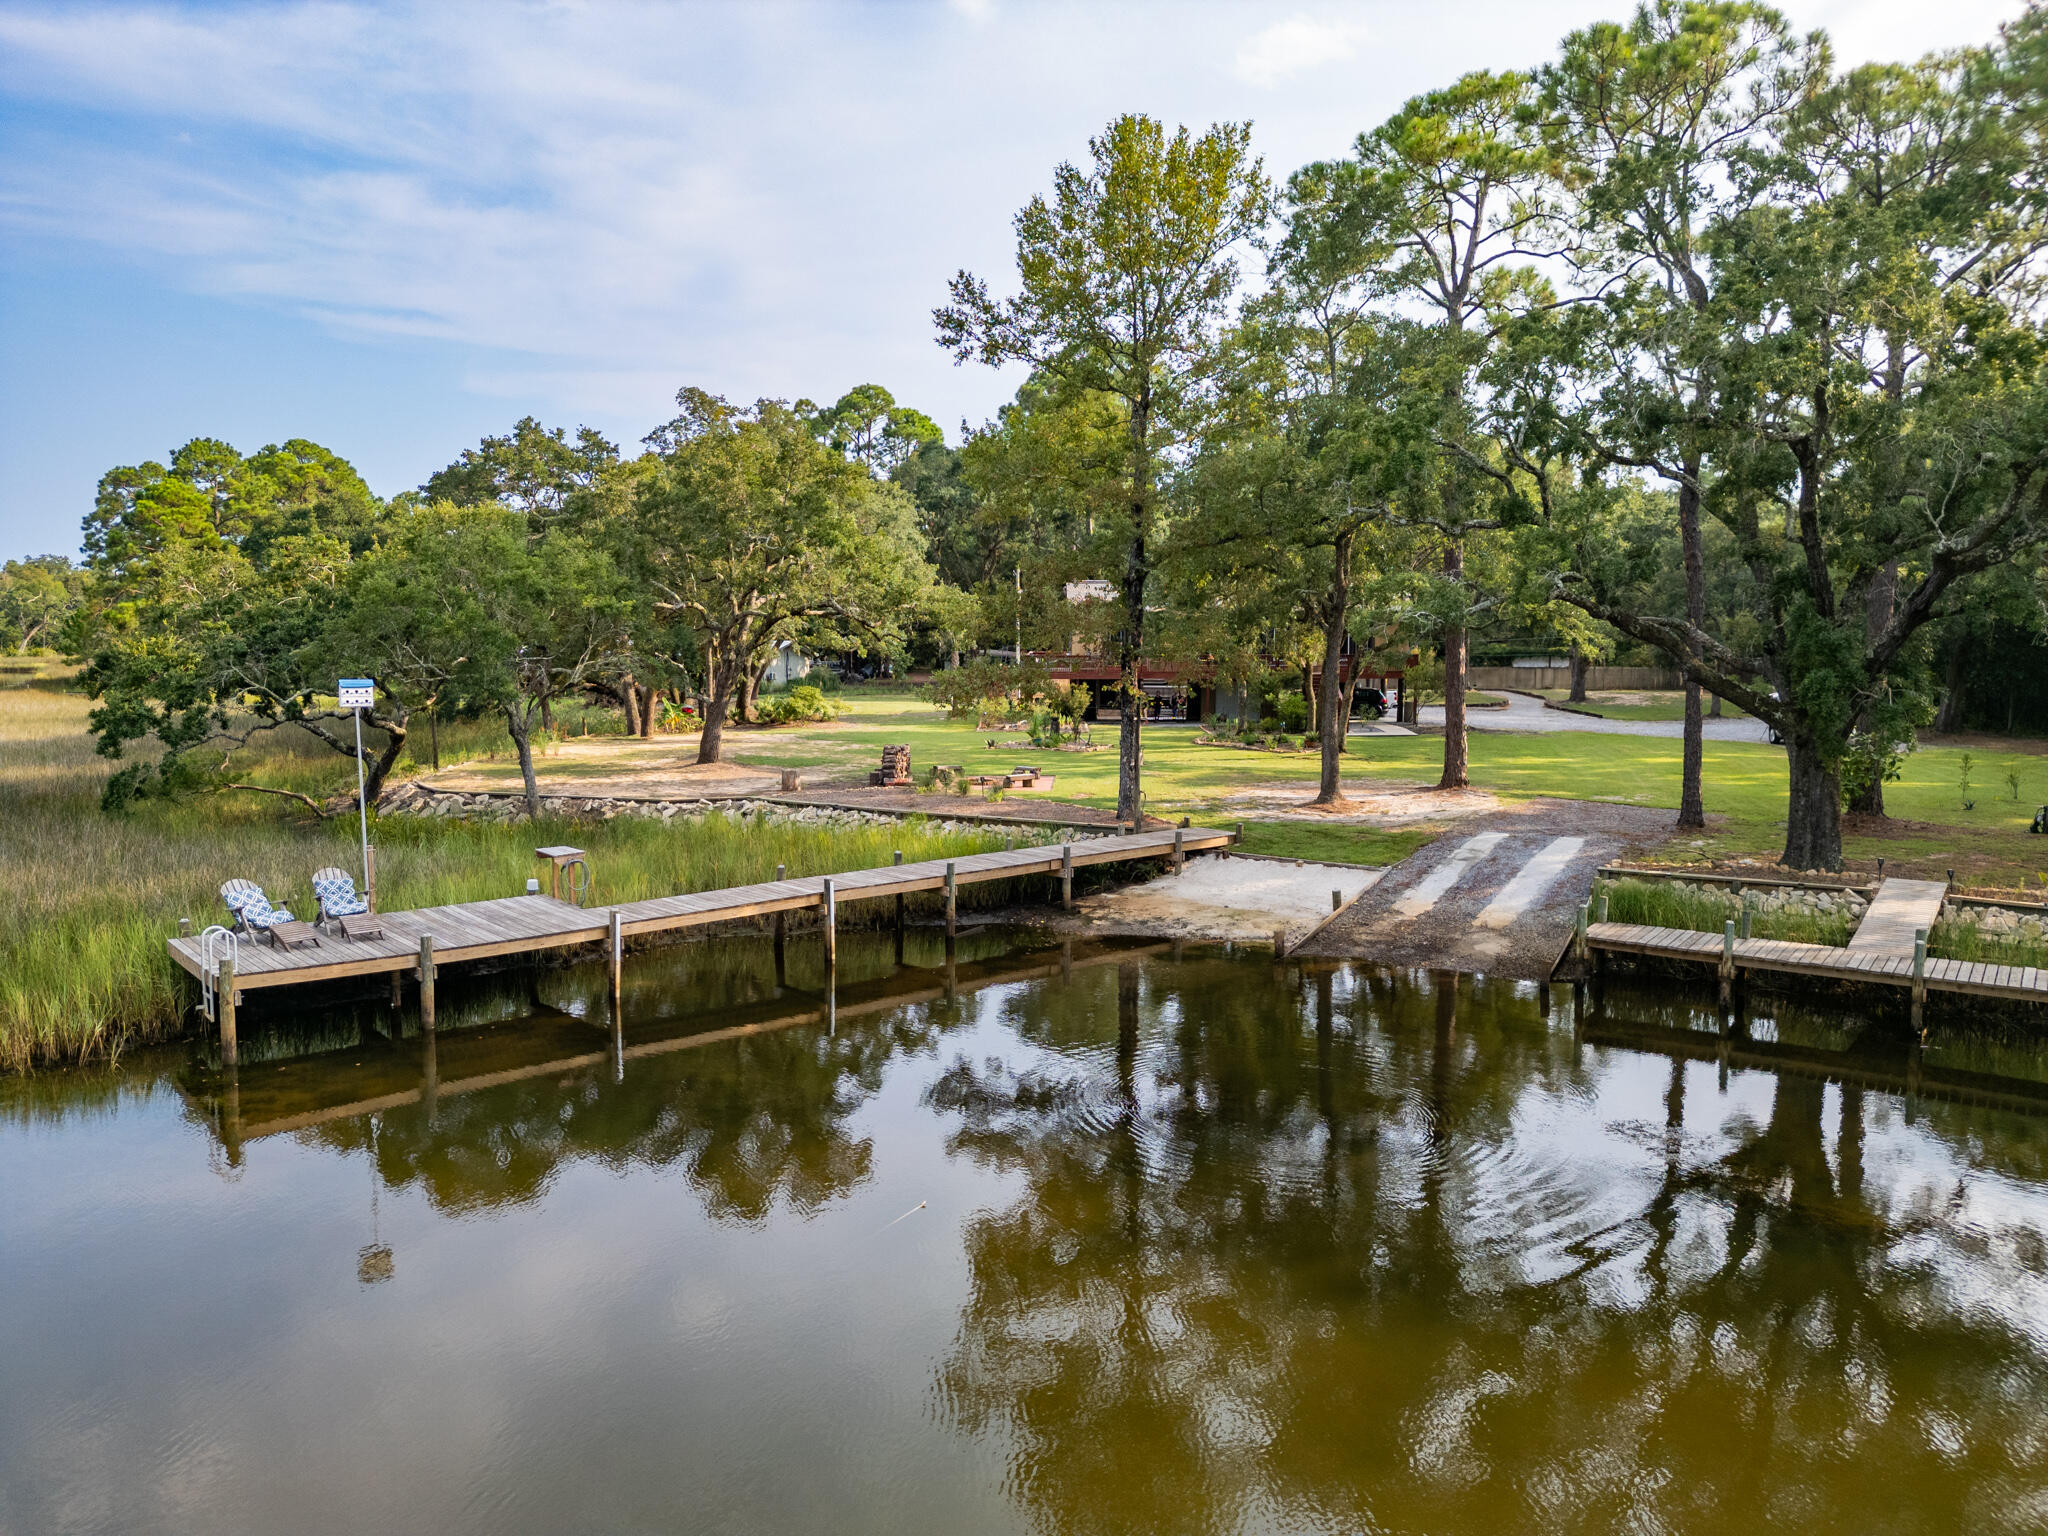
(91, 898)
(1744, 781)
(1333, 844)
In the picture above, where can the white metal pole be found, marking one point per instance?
(1020, 615)
(362, 800)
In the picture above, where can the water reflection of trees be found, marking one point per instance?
(1263, 1275)
(752, 1123)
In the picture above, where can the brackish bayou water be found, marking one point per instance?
(1065, 1240)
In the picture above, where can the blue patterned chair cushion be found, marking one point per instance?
(251, 907)
(336, 890)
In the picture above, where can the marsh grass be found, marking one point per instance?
(1956, 939)
(90, 898)
(1661, 904)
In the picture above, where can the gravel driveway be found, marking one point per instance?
(1526, 714)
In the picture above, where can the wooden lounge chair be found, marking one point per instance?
(254, 915)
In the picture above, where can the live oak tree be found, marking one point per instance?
(1125, 275)
(753, 529)
(1883, 413)
(37, 596)
(213, 581)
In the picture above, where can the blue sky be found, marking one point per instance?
(395, 228)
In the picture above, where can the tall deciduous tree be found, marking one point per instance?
(1647, 120)
(1884, 410)
(1440, 207)
(532, 469)
(1125, 276)
(753, 529)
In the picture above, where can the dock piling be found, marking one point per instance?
(1728, 960)
(781, 934)
(831, 901)
(225, 1006)
(952, 902)
(1919, 973)
(1180, 854)
(426, 981)
(617, 952)
(1067, 874)
(899, 915)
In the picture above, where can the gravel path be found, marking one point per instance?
(1526, 714)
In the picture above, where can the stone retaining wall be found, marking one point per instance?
(412, 800)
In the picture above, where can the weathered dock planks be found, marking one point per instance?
(482, 930)
(1823, 961)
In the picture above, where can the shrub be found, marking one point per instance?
(801, 703)
(1293, 710)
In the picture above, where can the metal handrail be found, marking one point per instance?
(215, 944)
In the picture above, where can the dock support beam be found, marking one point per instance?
(1579, 942)
(397, 995)
(1919, 975)
(831, 928)
(899, 915)
(781, 935)
(952, 902)
(1728, 961)
(1067, 875)
(617, 953)
(426, 981)
(224, 1005)
(1180, 853)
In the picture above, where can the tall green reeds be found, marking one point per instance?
(87, 900)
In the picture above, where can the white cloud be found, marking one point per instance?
(1291, 47)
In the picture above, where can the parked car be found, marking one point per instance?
(1369, 702)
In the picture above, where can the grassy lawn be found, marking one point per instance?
(1635, 704)
(1745, 781)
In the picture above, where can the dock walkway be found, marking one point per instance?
(481, 930)
(1822, 961)
(1897, 914)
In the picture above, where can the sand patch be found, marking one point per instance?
(1375, 804)
(603, 769)
(1219, 897)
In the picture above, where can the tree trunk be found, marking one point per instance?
(629, 696)
(547, 714)
(522, 738)
(1713, 706)
(1335, 716)
(1692, 809)
(743, 695)
(1950, 720)
(434, 734)
(1456, 754)
(647, 698)
(1130, 643)
(717, 702)
(1877, 618)
(379, 767)
(1581, 665)
(1813, 819)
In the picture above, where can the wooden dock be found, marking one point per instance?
(511, 925)
(1898, 914)
(424, 1069)
(1824, 962)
